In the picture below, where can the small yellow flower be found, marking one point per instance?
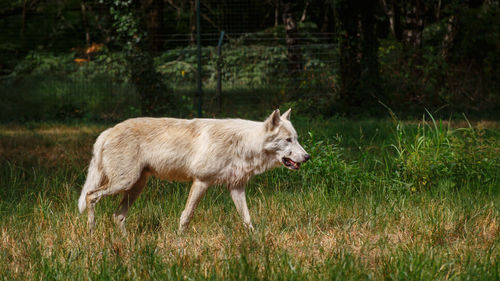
(413, 189)
(424, 180)
(182, 72)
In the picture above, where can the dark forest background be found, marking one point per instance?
(100, 60)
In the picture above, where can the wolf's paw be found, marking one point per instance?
(119, 220)
(250, 228)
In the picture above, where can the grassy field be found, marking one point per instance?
(381, 199)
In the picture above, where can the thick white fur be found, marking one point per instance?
(204, 151)
(95, 175)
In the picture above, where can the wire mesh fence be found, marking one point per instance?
(255, 70)
(121, 58)
(254, 59)
(252, 67)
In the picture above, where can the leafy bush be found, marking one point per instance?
(48, 87)
(437, 154)
(464, 80)
(52, 97)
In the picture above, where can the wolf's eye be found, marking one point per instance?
(289, 139)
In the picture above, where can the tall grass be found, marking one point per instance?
(360, 210)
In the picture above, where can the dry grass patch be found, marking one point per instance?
(207, 246)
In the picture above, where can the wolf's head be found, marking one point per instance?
(281, 140)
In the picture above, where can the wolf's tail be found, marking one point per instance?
(95, 175)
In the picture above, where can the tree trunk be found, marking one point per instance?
(23, 23)
(292, 41)
(438, 10)
(347, 15)
(148, 82)
(155, 24)
(85, 22)
(393, 12)
(414, 19)
(370, 86)
(326, 20)
(304, 12)
(449, 37)
(276, 13)
(192, 22)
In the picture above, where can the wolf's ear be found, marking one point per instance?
(273, 120)
(286, 115)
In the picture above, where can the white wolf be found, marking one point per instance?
(204, 151)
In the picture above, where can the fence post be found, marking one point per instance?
(219, 72)
(198, 44)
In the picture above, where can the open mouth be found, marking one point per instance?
(290, 164)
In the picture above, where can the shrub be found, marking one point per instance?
(437, 154)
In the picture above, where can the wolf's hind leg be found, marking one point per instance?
(197, 190)
(240, 201)
(92, 199)
(111, 188)
(128, 199)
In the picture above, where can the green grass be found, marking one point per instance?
(380, 200)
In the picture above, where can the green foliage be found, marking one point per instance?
(155, 97)
(257, 71)
(51, 97)
(330, 161)
(41, 63)
(256, 60)
(125, 23)
(439, 155)
(424, 78)
(111, 85)
(179, 65)
(48, 87)
(479, 34)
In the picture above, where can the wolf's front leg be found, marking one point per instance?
(197, 190)
(240, 201)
